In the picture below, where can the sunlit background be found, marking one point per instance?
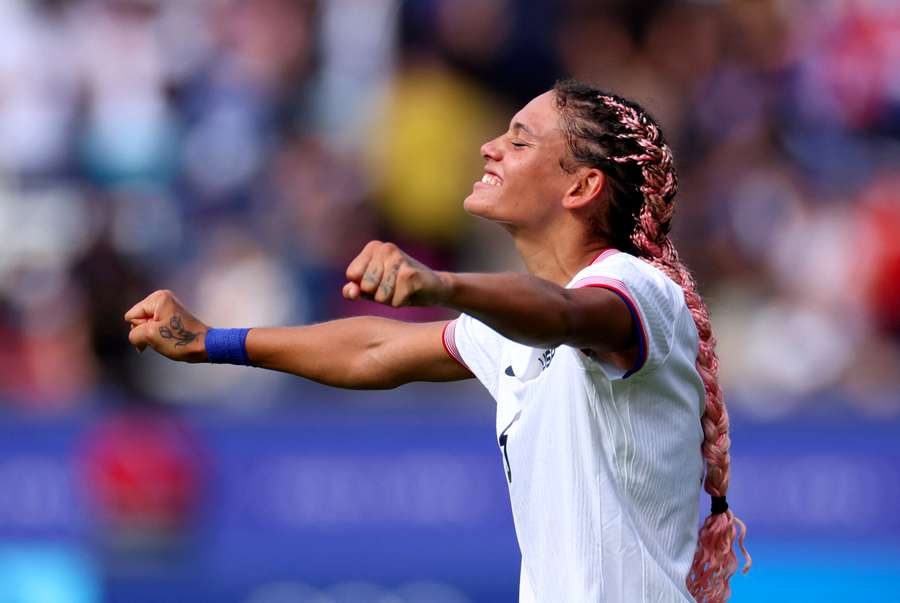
(240, 152)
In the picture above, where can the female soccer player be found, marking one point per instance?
(601, 360)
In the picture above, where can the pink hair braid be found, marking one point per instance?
(715, 560)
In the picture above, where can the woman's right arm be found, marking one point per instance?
(356, 353)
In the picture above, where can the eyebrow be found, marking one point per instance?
(517, 125)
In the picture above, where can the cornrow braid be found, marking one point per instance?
(616, 135)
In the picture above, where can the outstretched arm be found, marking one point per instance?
(521, 307)
(357, 353)
(374, 353)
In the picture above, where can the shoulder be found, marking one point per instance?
(655, 301)
(618, 270)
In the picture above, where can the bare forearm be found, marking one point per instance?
(341, 353)
(522, 307)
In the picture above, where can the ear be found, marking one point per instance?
(587, 186)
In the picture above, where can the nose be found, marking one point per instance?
(491, 150)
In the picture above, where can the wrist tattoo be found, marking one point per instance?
(176, 331)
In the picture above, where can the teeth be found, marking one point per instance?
(491, 180)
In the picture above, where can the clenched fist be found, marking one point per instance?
(383, 273)
(161, 322)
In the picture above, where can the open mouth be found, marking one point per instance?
(491, 180)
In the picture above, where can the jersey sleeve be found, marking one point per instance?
(651, 299)
(477, 347)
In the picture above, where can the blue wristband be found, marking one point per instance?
(227, 346)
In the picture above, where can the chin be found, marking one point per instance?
(480, 204)
(471, 204)
(490, 204)
(479, 207)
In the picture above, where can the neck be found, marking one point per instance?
(557, 257)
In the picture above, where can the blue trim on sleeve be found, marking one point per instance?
(636, 319)
(642, 345)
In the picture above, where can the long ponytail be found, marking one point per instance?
(619, 137)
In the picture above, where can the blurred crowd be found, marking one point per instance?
(240, 152)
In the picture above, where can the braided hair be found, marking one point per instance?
(617, 136)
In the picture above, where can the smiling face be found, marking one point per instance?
(524, 184)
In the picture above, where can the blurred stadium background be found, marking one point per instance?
(241, 151)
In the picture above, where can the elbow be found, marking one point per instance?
(369, 383)
(572, 324)
(548, 335)
(540, 340)
(369, 373)
(562, 329)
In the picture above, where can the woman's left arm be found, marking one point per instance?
(521, 307)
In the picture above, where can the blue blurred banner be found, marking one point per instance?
(306, 498)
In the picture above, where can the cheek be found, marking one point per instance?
(541, 181)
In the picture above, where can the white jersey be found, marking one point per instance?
(603, 464)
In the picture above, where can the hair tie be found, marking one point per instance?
(719, 505)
